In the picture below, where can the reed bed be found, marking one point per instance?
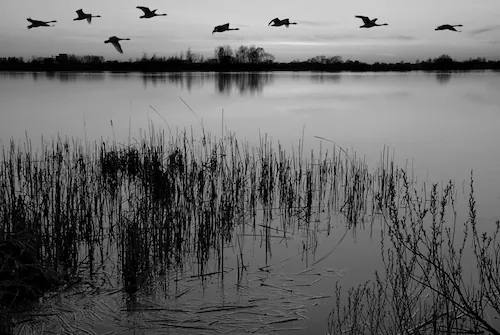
(164, 200)
(440, 276)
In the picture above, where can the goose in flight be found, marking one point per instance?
(223, 28)
(148, 13)
(116, 42)
(449, 27)
(369, 23)
(278, 23)
(37, 23)
(84, 16)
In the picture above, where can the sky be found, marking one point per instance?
(324, 27)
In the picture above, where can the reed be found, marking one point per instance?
(439, 276)
(164, 201)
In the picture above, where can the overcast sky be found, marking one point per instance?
(325, 27)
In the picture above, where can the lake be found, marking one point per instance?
(439, 125)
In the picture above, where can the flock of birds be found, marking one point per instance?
(148, 14)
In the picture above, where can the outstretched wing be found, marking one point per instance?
(275, 21)
(80, 13)
(146, 10)
(35, 21)
(117, 46)
(366, 19)
(446, 27)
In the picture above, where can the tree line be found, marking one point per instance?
(244, 58)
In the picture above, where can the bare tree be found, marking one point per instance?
(224, 54)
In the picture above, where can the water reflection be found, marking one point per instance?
(12, 75)
(324, 78)
(243, 83)
(120, 75)
(443, 78)
(185, 80)
(53, 76)
(225, 83)
(66, 77)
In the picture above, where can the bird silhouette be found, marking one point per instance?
(148, 13)
(449, 27)
(84, 16)
(369, 23)
(278, 23)
(223, 28)
(37, 23)
(116, 42)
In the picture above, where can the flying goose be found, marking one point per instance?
(223, 28)
(37, 23)
(116, 42)
(84, 16)
(278, 23)
(449, 27)
(148, 13)
(369, 23)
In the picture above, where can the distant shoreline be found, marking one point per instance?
(238, 63)
(273, 68)
(243, 59)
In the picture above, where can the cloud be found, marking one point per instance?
(302, 39)
(404, 38)
(320, 24)
(239, 25)
(360, 37)
(386, 54)
(484, 30)
(301, 43)
(334, 37)
(480, 31)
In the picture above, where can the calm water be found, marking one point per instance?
(441, 125)
(444, 125)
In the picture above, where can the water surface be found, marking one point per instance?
(443, 124)
(440, 125)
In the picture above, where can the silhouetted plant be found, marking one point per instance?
(426, 287)
(245, 58)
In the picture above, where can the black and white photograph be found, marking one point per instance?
(249, 167)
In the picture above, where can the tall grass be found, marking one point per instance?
(163, 200)
(439, 277)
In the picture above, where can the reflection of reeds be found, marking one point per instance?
(162, 200)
